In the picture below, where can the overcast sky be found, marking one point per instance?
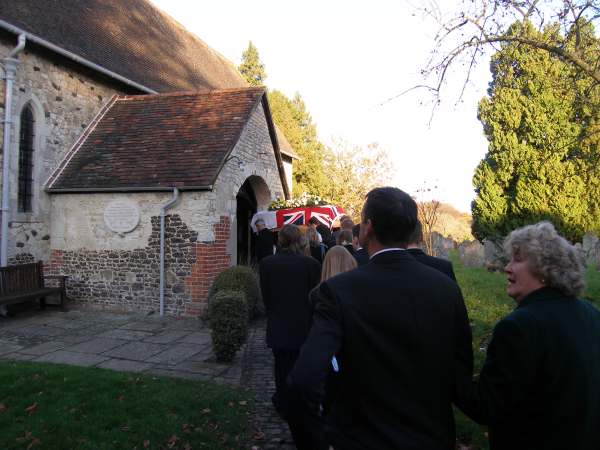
(346, 58)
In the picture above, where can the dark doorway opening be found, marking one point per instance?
(246, 208)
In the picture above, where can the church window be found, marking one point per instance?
(26, 148)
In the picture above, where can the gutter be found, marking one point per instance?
(10, 70)
(72, 56)
(164, 208)
(208, 187)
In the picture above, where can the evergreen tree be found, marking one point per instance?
(293, 119)
(251, 68)
(541, 118)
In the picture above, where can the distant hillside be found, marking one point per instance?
(454, 224)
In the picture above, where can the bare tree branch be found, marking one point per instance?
(485, 23)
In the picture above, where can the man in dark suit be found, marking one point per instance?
(360, 254)
(346, 223)
(323, 230)
(286, 279)
(414, 248)
(401, 336)
(265, 241)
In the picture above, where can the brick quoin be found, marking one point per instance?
(55, 263)
(211, 259)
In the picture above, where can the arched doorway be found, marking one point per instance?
(253, 195)
(246, 208)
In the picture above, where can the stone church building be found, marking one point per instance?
(113, 112)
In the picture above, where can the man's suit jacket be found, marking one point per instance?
(401, 335)
(286, 279)
(325, 233)
(437, 263)
(362, 256)
(539, 387)
(265, 240)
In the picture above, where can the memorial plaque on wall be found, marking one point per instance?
(122, 216)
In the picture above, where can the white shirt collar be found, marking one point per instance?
(391, 249)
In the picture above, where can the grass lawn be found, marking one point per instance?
(45, 406)
(487, 303)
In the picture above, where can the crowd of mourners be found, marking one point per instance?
(372, 341)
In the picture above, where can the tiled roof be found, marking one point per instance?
(132, 38)
(149, 142)
(284, 146)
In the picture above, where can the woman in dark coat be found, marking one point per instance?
(539, 387)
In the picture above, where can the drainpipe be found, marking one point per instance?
(10, 70)
(164, 208)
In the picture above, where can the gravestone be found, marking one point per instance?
(442, 245)
(495, 259)
(590, 248)
(471, 254)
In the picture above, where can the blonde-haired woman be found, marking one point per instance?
(337, 260)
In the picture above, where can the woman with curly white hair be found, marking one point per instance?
(539, 387)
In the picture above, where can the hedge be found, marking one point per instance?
(228, 323)
(238, 278)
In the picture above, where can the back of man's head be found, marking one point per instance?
(416, 237)
(393, 215)
(344, 237)
(346, 223)
(290, 238)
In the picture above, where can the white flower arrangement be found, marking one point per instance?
(304, 200)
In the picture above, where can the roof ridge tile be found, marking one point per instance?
(257, 89)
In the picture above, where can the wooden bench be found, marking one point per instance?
(24, 282)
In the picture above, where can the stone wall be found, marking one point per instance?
(256, 152)
(64, 100)
(130, 279)
(288, 167)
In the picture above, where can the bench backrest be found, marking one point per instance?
(21, 278)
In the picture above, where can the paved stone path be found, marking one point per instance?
(124, 342)
(257, 375)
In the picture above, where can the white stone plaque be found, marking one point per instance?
(122, 216)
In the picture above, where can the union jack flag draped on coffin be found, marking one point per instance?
(300, 216)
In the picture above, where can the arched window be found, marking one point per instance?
(26, 140)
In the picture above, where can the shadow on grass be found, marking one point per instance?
(46, 406)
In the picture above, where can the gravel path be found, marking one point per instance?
(270, 431)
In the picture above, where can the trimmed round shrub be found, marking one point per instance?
(238, 278)
(228, 323)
